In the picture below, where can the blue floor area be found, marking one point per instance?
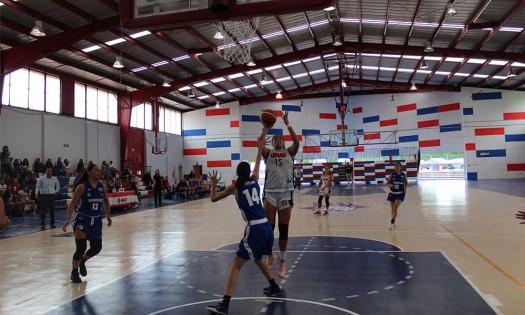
(326, 275)
(31, 223)
(513, 187)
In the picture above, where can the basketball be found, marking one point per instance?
(268, 118)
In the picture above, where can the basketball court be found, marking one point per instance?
(449, 255)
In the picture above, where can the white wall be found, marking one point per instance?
(39, 135)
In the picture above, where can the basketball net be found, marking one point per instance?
(238, 39)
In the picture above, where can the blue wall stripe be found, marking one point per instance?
(325, 143)
(236, 156)
(218, 144)
(468, 111)
(310, 132)
(343, 155)
(413, 138)
(513, 138)
(428, 110)
(486, 96)
(491, 153)
(370, 119)
(194, 132)
(360, 132)
(449, 128)
(291, 108)
(250, 118)
(390, 152)
(276, 131)
(472, 175)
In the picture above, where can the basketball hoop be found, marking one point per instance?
(159, 147)
(238, 39)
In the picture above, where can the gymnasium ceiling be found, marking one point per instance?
(382, 47)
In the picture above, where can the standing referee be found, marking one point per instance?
(46, 190)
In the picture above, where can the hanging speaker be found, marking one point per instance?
(219, 6)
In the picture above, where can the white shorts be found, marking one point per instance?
(280, 200)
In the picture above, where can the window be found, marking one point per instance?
(148, 110)
(53, 94)
(6, 89)
(91, 103)
(137, 116)
(80, 100)
(170, 121)
(36, 90)
(19, 88)
(113, 108)
(102, 105)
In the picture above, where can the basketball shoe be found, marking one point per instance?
(75, 278)
(318, 211)
(392, 226)
(272, 292)
(325, 212)
(220, 308)
(82, 267)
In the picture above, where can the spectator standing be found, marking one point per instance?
(38, 166)
(349, 171)
(157, 179)
(5, 160)
(146, 179)
(25, 166)
(49, 164)
(46, 190)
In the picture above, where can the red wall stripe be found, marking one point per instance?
(289, 138)
(234, 123)
(388, 122)
(429, 143)
(489, 131)
(278, 113)
(448, 107)
(359, 148)
(249, 143)
(406, 108)
(512, 116)
(372, 136)
(516, 167)
(327, 116)
(218, 112)
(428, 123)
(201, 151)
(225, 163)
(470, 146)
(311, 149)
(356, 110)
(340, 127)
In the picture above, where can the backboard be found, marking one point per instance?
(343, 138)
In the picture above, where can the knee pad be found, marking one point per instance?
(95, 246)
(283, 232)
(81, 248)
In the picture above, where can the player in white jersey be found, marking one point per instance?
(324, 190)
(279, 187)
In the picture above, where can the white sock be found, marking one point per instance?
(282, 255)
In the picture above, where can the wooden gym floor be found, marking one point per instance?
(457, 249)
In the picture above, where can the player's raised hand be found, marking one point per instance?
(521, 216)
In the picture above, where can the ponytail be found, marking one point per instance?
(243, 174)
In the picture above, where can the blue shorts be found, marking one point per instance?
(257, 241)
(91, 226)
(393, 197)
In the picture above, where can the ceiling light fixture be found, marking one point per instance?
(38, 30)
(392, 99)
(343, 83)
(413, 87)
(423, 65)
(428, 47)
(450, 9)
(191, 94)
(166, 83)
(218, 35)
(217, 105)
(511, 73)
(251, 63)
(337, 40)
(329, 8)
(278, 96)
(118, 63)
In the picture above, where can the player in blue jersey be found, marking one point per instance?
(258, 234)
(397, 182)
(90, 195)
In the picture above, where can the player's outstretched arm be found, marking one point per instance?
(261, 145)
(294, 148)
(521, 216)
(74, 202)
(218, 195)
